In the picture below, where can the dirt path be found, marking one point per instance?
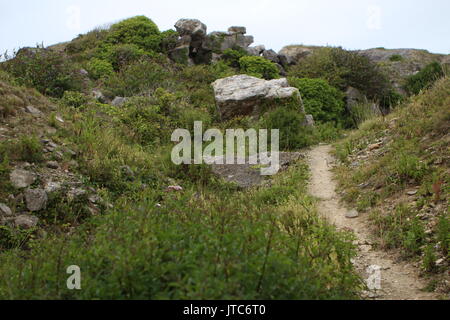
(399, 281)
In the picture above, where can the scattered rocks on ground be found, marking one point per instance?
(76, 193)
(22, 178)
(26, 221)
(248, 175)
(36, 199)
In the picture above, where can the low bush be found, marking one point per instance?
(144, 75)
(139, 30)
(343, 69)
(323, 101)
(232, 56)
(259, 67)
(99, 69)
(424, 79)
(74, 99)
(293, 133)
(47, 71)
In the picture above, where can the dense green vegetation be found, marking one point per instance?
(424, 78)
(323, 101)
(209, 241)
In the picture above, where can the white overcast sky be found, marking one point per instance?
(352, 24)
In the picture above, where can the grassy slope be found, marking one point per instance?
(210, 241)
(407, 151)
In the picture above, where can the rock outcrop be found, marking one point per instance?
(195, 46)
(243, 95)
(291, 55)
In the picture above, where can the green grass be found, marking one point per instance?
(414, 144)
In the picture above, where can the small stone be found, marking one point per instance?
(440, 262)
(352, 214)
(26, 221)
(22, 179)
(5, 210)
(59, 155)
(33, 111)
(58, 118)
(118, 101)
(52, 187)
(53, 165)
(94, 198)
(412, 193)
(375, 146)
(36, 199)
(174, 188)
(76, 193)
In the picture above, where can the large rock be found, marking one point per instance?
(191, 27)
(293, 54)
(21, 178)
(244, 95)
(256, 50)
(36, 199)
(237, 30)
(271, 55)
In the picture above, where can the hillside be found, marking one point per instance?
(87, 176)
(395, 170)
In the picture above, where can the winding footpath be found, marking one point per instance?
(399, 280)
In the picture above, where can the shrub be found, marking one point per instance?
(169, 40)
(343, 69)
(98, 68)
(424, 79)
(86, 41)
(395, 57)
(74, 99)
(138, 30)
(259, 67)
(143, 75)
(149, 125)
(232, 56)
(29, 149)
(122, 55)
(47, 71)
(321, 100)
(293, 134)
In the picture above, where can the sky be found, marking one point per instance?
(352, 24)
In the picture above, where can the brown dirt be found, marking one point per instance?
(399, 280)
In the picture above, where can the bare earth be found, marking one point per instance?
(399, 280)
